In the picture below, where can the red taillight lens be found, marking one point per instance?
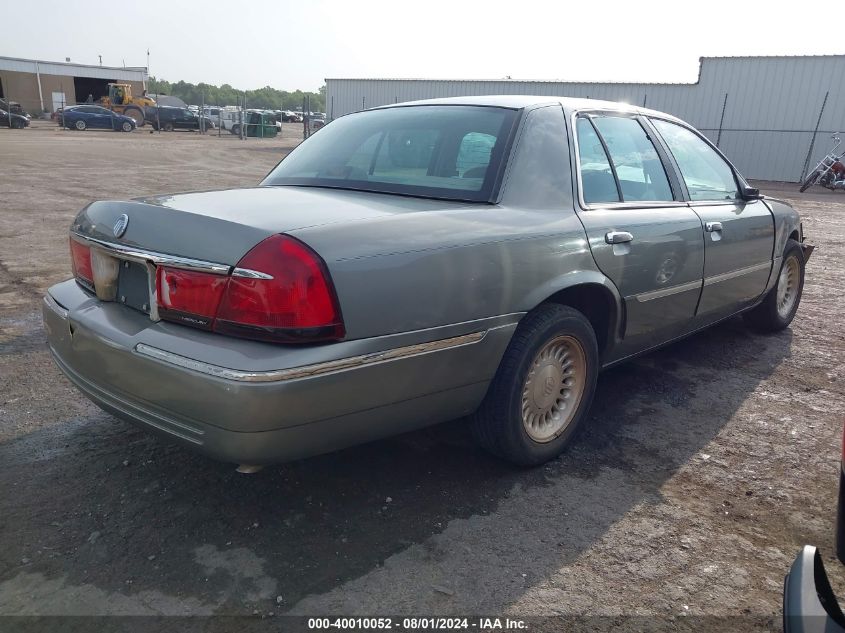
(291, 300)
(80, 258)
(189, 297)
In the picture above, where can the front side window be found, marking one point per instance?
(638, 166)
(451, 152)
(706, 174)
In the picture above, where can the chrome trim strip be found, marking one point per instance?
(305, 371)
(54, 306)
(709, 281)
(666, 292)
(143, 256)
(250, 274)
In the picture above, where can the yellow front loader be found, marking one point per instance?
(120, 100)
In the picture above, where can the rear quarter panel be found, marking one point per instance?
(426, 270)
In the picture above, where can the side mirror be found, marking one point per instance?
(750, 193)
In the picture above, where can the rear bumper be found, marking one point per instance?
(250, 402)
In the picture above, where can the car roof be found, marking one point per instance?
(569, 104)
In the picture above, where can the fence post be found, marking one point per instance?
(813, 141)
(645, 99)
(722, 119)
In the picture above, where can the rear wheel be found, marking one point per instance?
(779, 307)
(80, 125)
(809, 180)
(136, 114)
(543, 388)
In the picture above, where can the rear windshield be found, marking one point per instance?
(451, 152)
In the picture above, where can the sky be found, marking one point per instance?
(290, 45)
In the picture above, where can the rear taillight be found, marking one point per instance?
(80, 259)
(187, 296)
(280, 291)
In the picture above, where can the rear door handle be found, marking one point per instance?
(618, 237)
(712, 226)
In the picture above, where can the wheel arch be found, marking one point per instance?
(595, 296)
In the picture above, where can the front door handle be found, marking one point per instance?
(712, 226)
(618, 237)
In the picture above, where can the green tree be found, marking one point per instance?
(267, 98)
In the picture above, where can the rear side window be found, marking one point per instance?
(706, 174)
(597, 181)
(638, 167)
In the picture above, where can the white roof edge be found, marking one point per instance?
(93, 66)
(701, 61)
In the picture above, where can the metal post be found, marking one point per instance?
(645, 99)
(219, 119)
(304, 120)
(722, 120)
(243, 117)
(62, 88)
(331, 112)
(40, 94)
(202, 113)
(813, 141)
(363, 103)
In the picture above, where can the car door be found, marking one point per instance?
(642, 234)
(96, 117)
(738, 234)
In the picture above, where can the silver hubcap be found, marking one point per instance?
(553, 388)
(790, 275)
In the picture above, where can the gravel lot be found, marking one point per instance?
(704, 468)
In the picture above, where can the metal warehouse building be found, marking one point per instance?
(41, 86)
(771, 116)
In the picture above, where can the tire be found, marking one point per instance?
(167, 126)
(126, 127)
(17, 125)
(236, 129)
(524, 418)
(809, 180)
(80, 125)
(135, 114)
(781, 303)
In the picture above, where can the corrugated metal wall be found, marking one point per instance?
(770, 114)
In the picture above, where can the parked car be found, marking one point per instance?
(82, 117)
(169, 119)
(14, 107)
(291, 117)
(416, 263)
(15, 121)
(809, 603)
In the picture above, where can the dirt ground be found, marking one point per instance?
(704, 468)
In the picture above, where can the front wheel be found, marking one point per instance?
(80, 125)
(809, 180)
(126, 127)
(779, 307)
(236, 130)
(543, 388)
(167, 127)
